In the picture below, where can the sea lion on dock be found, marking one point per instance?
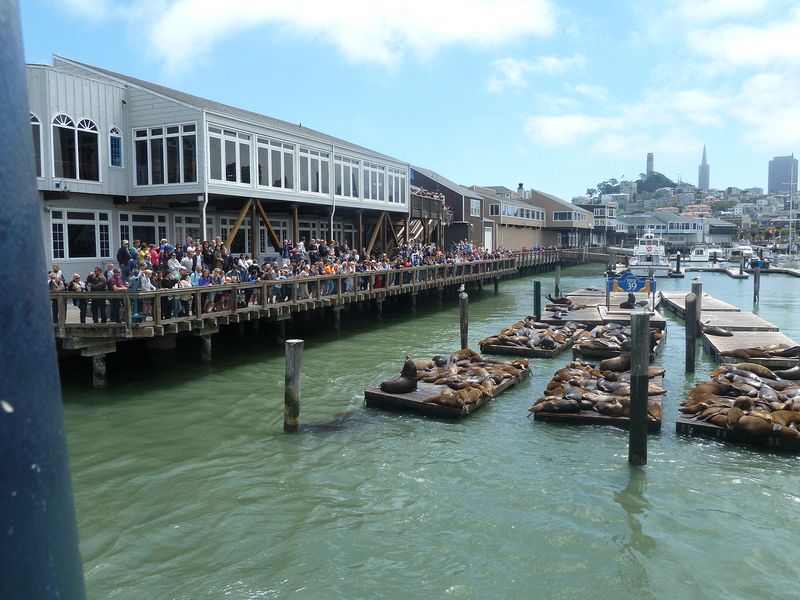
(754, 425)
(793, 373)
(715, 330)
(734, 414)
(558, 300)
(629, 303)
(756, 369)
(407, 382)
(618, 364)
(746, 353)
(791, 352)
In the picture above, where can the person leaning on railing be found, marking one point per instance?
(96, 282)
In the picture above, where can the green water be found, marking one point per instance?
(186, 487)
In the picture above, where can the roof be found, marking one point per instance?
(459, 189)
(499, 189)
(224, 109)
(638, 219)
(557, 200)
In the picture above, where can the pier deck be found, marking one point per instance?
(689, 427)
(715, 345)
(530, 352)
(737, 321)
(676, 302)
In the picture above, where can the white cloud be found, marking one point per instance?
(565, 130)
(513, 73)
(593, 92)
(714, 10)
(750, 45)
(363, 30)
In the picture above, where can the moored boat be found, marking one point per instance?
(649, 257)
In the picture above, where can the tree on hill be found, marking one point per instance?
(650, 183)
(610, 186)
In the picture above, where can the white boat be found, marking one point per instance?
(716, 254)
(738, 251)
(649, 256)
(698, 254)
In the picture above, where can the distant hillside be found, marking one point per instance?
(650, 183)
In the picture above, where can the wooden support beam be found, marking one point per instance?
(240, 219)
(253, 235)
(276, 242)
(375, 234)
(360, 232)
(394, 233)
(295, 226)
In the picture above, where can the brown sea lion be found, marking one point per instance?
(793, 373)
(746, 353)
(464, 353)
(756, 369)
(786, 417)
(399, 385)
(784, 431)
(610, 409)
(619, 363)
(792, 351)
(734, 414)
(718, 331)
(655, 410)
(754, 425)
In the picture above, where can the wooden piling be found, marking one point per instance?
(640, 362)
(379, 309)
(537, 300)
(741, 265)
(496, 285)
(413, 302)
(678, 263)
(291, 395)
(463, 305)
(205, 348)
(337, 318)
(558, 281)
(756, 284)
(99, 380)
(690, 316)
(281, 333)
(697, 290)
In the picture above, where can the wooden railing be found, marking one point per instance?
(122, 314)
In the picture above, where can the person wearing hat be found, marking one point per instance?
(115, 284)
(124, 258)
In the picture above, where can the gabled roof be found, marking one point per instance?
(557, 200)
(224, 109)
(499, 189)
(459, 189)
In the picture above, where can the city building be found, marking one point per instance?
(121, 158)
(782, 175)
(607, 230)
(463, 205)
(703, 173)
(566, 224)
(649, 164)
(516, 222)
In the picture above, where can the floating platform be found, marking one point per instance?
(676, 302)
(374, 397)
(729, 271)
(590, 417)
(715, 345)
(598, 315)
(737, 321)
(530, 352)
(690, 427)
(611, 353)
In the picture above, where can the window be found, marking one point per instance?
(374, 176)
(314, 171)
(397, 186)
(80, 234)
(187, 226)
(36, 127)
(275, 163)
(242, 241)
(474, 207)
(345, 176)
(147, 228)
(76, 152)
(562, 216)
(164, 155)
(494, 210)
(115, 147)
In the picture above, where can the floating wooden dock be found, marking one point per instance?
(690, 427)
(737, 321)
(676, 302)
(596, 314)
(590, 417)
(530, 352)
(374, 397)
(715, 345)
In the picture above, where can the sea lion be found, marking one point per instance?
(718, 331)
(464, 353)
(399, 385)
(793, 373)
(754, 425)
(558, 300)
(734, 414)
(619, 363)
(610, 409)
(629, 303)
(756, 369)
(786, 417)
(548, 343)
(784, 431)
(790, 352)
(746, 353)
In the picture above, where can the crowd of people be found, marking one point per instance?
(148, 267)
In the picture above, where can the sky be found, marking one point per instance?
(554, 95)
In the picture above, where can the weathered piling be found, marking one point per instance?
(697, 290)
(205, 348)
(741, 265)
(690, 316)
(413, 303)
(463, 305)
(678, 263)
(558, 281)
(496, 285)
(291, 394)
(537, 300)
(756, 284)
(99, 381)
(640, 362)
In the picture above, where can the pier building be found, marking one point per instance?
(122, 158)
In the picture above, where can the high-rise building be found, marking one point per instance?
(703, 172)
(649, 164)
(782, 175)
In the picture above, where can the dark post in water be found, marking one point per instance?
(463, 305)
(291, 395)
(741, 265)
(691, 331)
(678, 263)
(640, 361)
(558, 281)
(697, 290)
(537, 300)
(756, 284)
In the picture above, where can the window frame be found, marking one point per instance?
(397, 182)
(342, 163)
(59, 216)
(116, 132)
(75, 128)
(163, 136)
(284, 149)
(312, 154)
(474, 207)
(37, 122)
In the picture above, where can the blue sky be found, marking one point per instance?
(557, 96)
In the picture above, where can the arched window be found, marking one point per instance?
(115, 147)
(76, 152)
(36, 127)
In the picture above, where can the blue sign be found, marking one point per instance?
(628, 282)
